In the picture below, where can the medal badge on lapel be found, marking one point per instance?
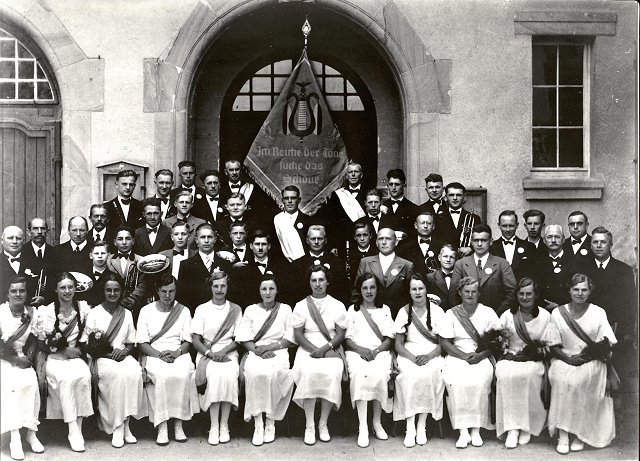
(583, 252)
(557, 270)
(394, 272)
(520, 250)
(488, 271)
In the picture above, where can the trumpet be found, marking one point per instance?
(131, 279)
(467, 227)
(42, 284)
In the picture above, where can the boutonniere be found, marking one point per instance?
(25, 318)
(520, 250)
(198, 196)
(384, 209)
(430, 253)
(316, 262)
(28, 272)
(557, 270)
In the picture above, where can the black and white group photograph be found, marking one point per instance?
(319, 229)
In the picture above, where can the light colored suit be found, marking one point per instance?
(134, 295)
(193, 223)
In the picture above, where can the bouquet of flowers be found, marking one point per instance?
(536, 351)
(55, 342)
(598, 351)
(495, 340)
(98, 345)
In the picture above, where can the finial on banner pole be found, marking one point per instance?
(306, 30)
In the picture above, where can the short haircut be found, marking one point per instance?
(239, 223)
(151, 201)
(183, 193)
(164, 280)
(316, 227)
(206, 225)
(46, 224)
(232, 160)
(508, 213)
(448, 246)
(377, 192)
(362, 225)
(180, 222)
(316, 268)
(548, 226)
(481, 228)
(209, 172)
(101, 243)
(523, 283)
(578, 213)
(126, 174)
(464, 281)
(533, 213)
(396, 173)
(455, 185)
(97, 206)
(237, 195)
(579, 278)
(290, 188)
(86, 223)
(425, 213)
(433, 177)
(259, 233)
(184, 163)
(119, 229)
(164, 172)
(602, 230)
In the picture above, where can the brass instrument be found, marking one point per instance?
(347, 261)
(432, 263)
(467, 226)
(131, 279)
(42, 284)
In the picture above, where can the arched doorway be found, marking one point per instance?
(30, 114)
(260, 46)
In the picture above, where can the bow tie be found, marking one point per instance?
(425, 240)
(354, 191)
(188, 189)
(234, 186)
(445, 275)
(125, 201)
(375, 218)
(261, 264)
(213, 199)
(14, 259)
(454, 211)
(508, 242)
(164, 200)
(176, 252)
(126, 256)
(97, 274)
(395, 200)
(575, 242)
(152, 230)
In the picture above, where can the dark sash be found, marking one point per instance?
(201, 368)
(521, 330)
(67, 331)
(420, 327)
(613, 380)
(117, 319)
(21, 329)
(268, 322)
(391, 385)
(317, 318)
(172, 318)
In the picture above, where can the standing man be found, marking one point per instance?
(579, 244)
(152, 238)
(11, 265)
(291, 225)
(164, 182)
(37, 254)
(184, 203)
(398, 206)
(74, 254)
(373, 209)
(435, 191)
(100, 231)
(392, 271)
(187, 173)
(125, 210)
(422, 250)
(439, 281)
(236, 207)
(495, 277)
(519, 253)
(237, 237)
(125, 264)
(179, 252)
(454, 222)
(534, 223)
(360, 247)
(209, 207)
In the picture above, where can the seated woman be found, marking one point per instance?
(519, 407)
(419, 384)
(580, 401)
(67, 378)
(118, 374)
(319, 322)
(18, 381)
(467, 373)
(213, 328)
(368, 342)
(267, 379)
(164, 339)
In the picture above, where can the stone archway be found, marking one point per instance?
(423, 82)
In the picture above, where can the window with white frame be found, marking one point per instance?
(560, 112)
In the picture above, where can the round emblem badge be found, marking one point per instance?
(220, 210)
(583, 252)
(198, 196)
(316, 262)
(520, 250)
(488, 271)
(299, 225)
(394, 272)
(430, 253)
(557, 270)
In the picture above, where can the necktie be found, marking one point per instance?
(479, 267)
(125, 201)
(208, 263)
(508, 242)
(574, 241)
(555, 261)
(77, 249)
(213, 199)
(261, 264)
(126, 256)
(97, 238)
(13, 260)
(454, 211)
(601, 266)
(354, 191)
(188, 189)
(40, 254)
(237, 251)
(425, 240)
(152, 230)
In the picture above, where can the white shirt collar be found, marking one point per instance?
(81, 246)
(483, 259)
(388, 257)
(604, 264)
(558, 256)
(36, 248)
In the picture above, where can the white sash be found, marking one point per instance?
(350, 204)
(288, 236)
(246, 190)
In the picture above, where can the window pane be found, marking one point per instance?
(7, 69)
(44, 91)
(23, 53)
(7, 49)
(354, 103)
(278, 83)
(26, 69)
(330, 71)
(350, 88)
(261, 102)
(544, 64)
(241, 103)
(7, 90)
(571, 148)
(316, 67)
(283, 67)
(245, 87)
(265, 70)
(334, 85)
(261, 84)
(544, 147)
(335, 103)
(40, 73)
(571, 64)
(25, 90)
(544, 107)
(4, 34)
(570, 101)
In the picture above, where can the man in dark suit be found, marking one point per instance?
(579, 243)
(11, 261)
(360, 247)
(398, 206)
(100, 230)
(392, 271)
(180, 250)
(237, 238)
(519, 253)
(209, 207)
(373, 210)
(291, 225)
(318, 254)
(184, 204)
(38, 259)
(496, 280)
(554, 271)
(74, 254)
(453, 222)
(152, 238)
(164, 182)
(236, 210)
(193, 286)
(187, 173)
(123, 209)
(435, 191)
(534, 223)
(440, 280)
(99, 255)
(422, 250)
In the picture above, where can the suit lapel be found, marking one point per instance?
(376, 268)
(441, 282)
(491, 264)
(394, 270)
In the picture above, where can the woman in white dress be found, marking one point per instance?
(369, 340)
(580, 401)
(213, 329)
(520, 410)
(164, 339)
(267, 379)
(119, 374)
(68, 379)
(319, 322)
(19, 392)
(467, 373)
(419, 384)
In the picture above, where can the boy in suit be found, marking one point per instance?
(398, 206)
(440, 280)
(124, 263)
(519, 253)
(123, 209)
